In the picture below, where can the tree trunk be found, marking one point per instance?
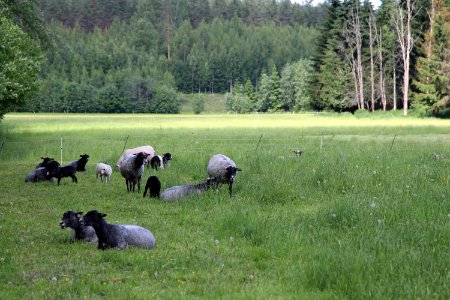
(372, 72)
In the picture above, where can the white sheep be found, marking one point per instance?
(118, 235)
(103, 170)
(146, 149)
(221, 169)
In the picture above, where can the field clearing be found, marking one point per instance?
(363, 213)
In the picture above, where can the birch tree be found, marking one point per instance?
(402, 23)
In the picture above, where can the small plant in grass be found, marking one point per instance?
(198, 103)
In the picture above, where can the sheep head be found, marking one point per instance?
(71, 219)
(93, 217)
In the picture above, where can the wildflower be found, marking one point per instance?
(373, 205)
(216, 242)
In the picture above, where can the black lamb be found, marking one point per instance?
(160, 161)
(80, 164)
(154, 186)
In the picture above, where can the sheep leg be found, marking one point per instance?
(139, 184)
(96, 177)
(59, 179)
(230, 188)
(74, 179)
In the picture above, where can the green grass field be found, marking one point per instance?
(364, 213)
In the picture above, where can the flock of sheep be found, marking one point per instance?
(92, 226)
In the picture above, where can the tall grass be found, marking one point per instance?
(363, 213)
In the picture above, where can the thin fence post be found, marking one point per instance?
(61, 149)
(321, 141)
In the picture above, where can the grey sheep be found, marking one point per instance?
(182, 191)
(40, 174)
(132, 169)
(118, 236)
(74, 220)
(221, 169)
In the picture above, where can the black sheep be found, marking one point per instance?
(154, 186)
(160, 161)
(66, 171)
(80, 164)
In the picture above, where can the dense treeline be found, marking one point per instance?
(101, 13)
(136, 55)
(368, 59)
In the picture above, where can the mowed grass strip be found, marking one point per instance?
(363, 213)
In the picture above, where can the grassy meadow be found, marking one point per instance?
(364, 213)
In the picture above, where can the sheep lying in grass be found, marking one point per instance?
(132, 169)
(73, 220)
(118, 236)
(158, 161)
(104, 171)
(180, 192)
(221, 169)
(154, 186)
(80, 164)
(146, 149)
(44, 173)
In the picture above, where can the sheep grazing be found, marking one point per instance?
(73, 220)
(146, 149)
(154, 186)
(80, 164)
(44, 173)
(117, 236)
(182, 191)
(158, 161)
(132, 169)
(104, 171)
(221, 169)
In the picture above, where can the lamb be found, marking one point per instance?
(65, 171)
(117, 236)
(160, 162)
(154, 186)
(132, 169)
(221, 169)
(45, 161)
(80, 164)
(147, 149)
(103, 170)
(44, 173)
(179, 192)
(73, 220)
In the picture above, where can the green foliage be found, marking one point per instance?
(198, 104)
(364, 216)
(20, 58)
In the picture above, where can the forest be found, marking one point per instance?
(266, 56)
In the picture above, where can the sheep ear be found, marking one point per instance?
(102, 215)
(79, 213)
(238, 169)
